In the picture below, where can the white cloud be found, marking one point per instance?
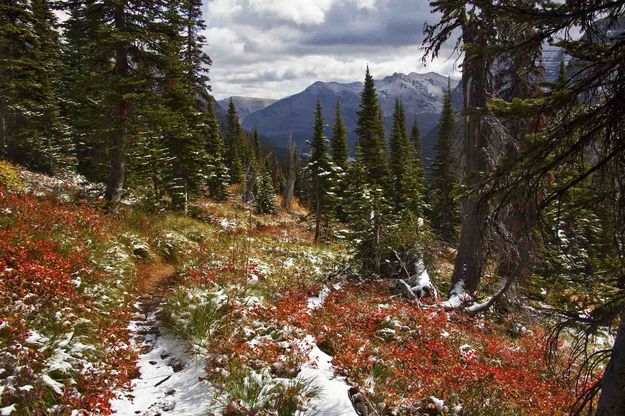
(275, 48)
(300, 12)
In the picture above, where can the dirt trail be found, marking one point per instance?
(169, 376)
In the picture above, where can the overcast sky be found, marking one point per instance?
(275, 48)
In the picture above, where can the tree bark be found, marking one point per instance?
(612, 399)
(469, 260)
(287, 199)
(117, 169)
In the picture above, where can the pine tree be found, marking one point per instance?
(216, 170)
(118, 78)
(321, 171)
(370, 130)
(419, 171)
(340, 152)
(32, 131)
(233, 144)
(292, 167)
(265, 195)
(398, 155)
(444, 211)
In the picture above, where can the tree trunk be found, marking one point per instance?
(612, 399)
(117, 169)
(287, 199)
(469, 260)
(317, 212)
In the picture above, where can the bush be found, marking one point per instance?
(9, 177)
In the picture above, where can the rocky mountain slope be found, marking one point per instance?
(421, 93)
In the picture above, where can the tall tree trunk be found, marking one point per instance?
(117, 169)
(317, 212)
(287, 199)
(469, 260)
(612, 400)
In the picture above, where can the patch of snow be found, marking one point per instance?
(6, 411)
(159, 389)
(332, 399)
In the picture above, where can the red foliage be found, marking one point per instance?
(44, 270)
(411, 353)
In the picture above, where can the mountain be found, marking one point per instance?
(421, 93)
(246, 105)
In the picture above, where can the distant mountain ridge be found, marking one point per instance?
(246, 105)
(422, 95)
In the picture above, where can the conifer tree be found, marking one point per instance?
(291, 169)
(321, 173)
(216, 172)
(265, 195)
(444, 212)
(406, 169)
(419, 171)
(32, 131)
(233, 144)
(340, 152)
(370, 130)
(118, 77)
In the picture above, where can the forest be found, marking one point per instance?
(157, 258)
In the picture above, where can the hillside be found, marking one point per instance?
(246, 105)
(231, 313)
(420, 93)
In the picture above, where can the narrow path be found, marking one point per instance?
(170, 376)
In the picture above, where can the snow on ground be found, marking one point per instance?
(332, 399)
(170, 377)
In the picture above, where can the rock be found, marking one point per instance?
(358, 401)
(176, 365)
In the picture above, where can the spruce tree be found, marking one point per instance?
(444, 208)
(419, 170)
(340, 152)
(216, 171)
(265, 194)
(118, 78)
(321, 171)
(233, 144)
(32, 131)
(370, 130)
(398, 146)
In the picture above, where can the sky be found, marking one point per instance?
(276, 48)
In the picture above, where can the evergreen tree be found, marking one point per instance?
(233, 144)
(370, 130)
(118, 77)
(216, 171)
(340, 152)
(265, 195)
(419, 171)
(398, 154)
(321, 175)
(367, 209)
(32, 131)
(444, 212)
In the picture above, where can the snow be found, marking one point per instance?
(332, 399)
(6, 411)
(438, 403)
(457, 297)
(160, 389)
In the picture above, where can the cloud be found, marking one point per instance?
(275, 48)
